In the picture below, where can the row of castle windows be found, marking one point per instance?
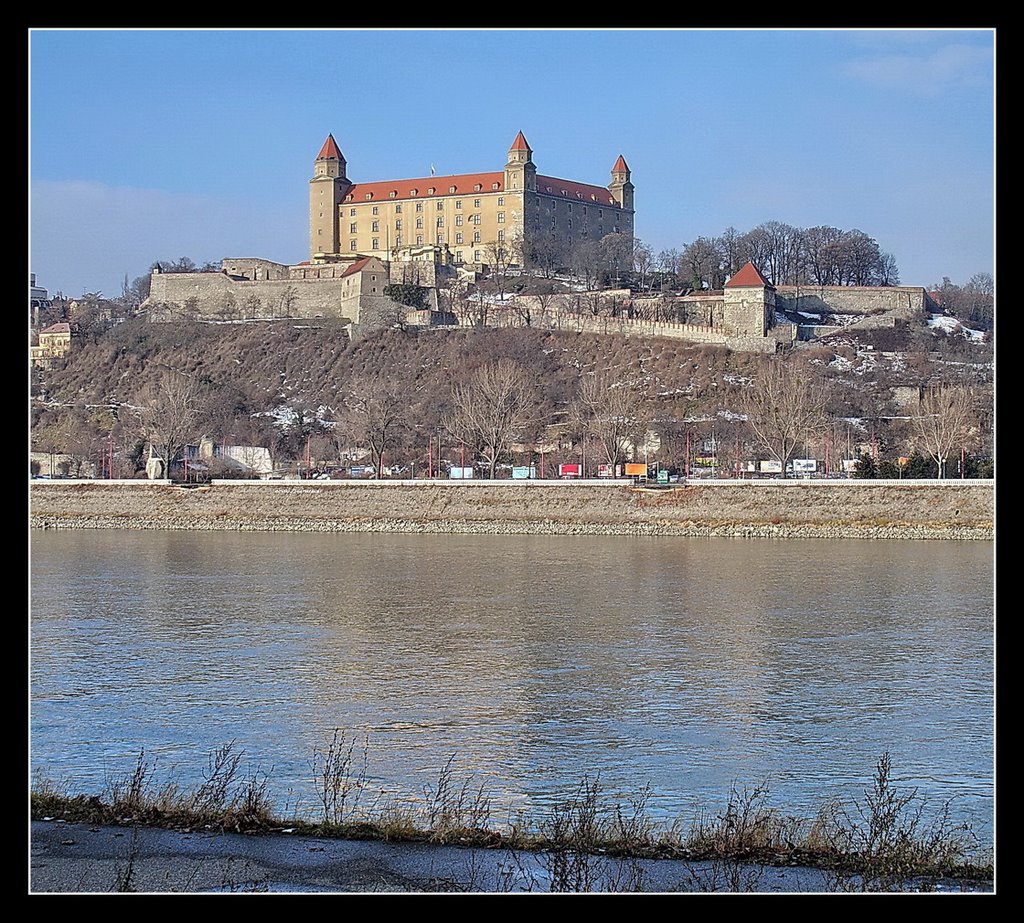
(419, 206)
(375, 241)
(375, 225)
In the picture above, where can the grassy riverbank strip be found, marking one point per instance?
(960, 510)
(887, 840)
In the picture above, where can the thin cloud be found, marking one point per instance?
(929, 73)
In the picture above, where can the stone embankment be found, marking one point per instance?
(751, 509)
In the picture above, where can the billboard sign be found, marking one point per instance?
(570, 471)
(804, 465)
(460, 473)
(524, 472)
(605, 471)
(636, 470)
(771, 466)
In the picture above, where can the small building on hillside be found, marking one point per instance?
(54, 344)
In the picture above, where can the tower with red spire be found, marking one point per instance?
(520, 172)
(620, 186)
(327, 190)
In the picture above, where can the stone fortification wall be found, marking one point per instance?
(882, 307)
(254, 268)
(216, 295)
(624, 326)
(806, 509)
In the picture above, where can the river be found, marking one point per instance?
(680, 664)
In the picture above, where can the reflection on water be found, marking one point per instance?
(688, 664)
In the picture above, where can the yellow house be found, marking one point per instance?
(54, 343)
(468, 214)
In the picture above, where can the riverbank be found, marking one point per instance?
(225, 836)
(68, 857)
(748, 509)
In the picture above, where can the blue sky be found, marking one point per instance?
(149, 145)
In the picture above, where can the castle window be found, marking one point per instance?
(391, 194)
(398, 208)
(398, 240)
(419, 222)
(476, 202)
(374, 209)
(476, 219)
(458, 237)
(458, 203)
(398, 224)
(419, 238)
(430, 191)
(352, 228)
(369, 196)
(569, 206)
(495, 185)
(440, 221)
(476, 237)
(458, 256)
(440, 237)
(351, 245)
(351, 213)
(458, 221)
(414, 192)
(570, 224)
(440, 205)
(501, 217)
(376, 244)
(501, 235)
(476, 256)
(501, 200)
(451, 189)
(375, 227)
(419, 206)
(477, 187)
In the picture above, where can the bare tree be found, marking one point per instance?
(377, 411)
(643, 262)
(784, 405)
(946, 419)
(613, 412)
(170, 413)
(491, 409)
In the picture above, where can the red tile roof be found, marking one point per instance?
(520, 143)
(749, 275)
(330, 150)
(620, 165)
(583, 192)
(57, 328)
(357, 266)
(465, 184)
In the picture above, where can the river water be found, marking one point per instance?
(686, 665)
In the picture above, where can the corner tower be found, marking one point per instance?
(748, 303)
(620, 187)
(520, 172)
(327, 190)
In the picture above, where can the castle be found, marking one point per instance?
(469, 217)
(365, 236)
